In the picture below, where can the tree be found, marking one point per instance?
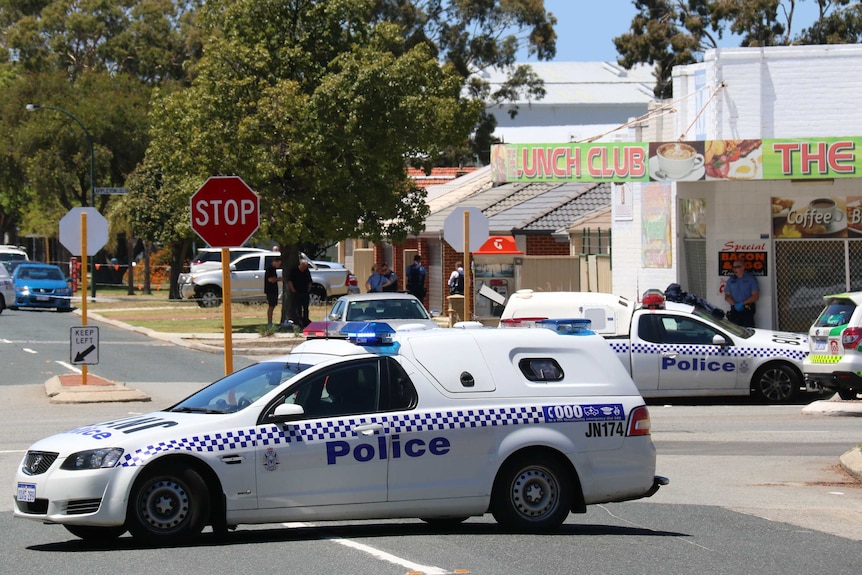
(668, 33)
(318, 106)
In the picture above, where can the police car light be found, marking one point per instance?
(372, 333)
(315, 329)
(521, 321)
(573, 326)
(653, 299)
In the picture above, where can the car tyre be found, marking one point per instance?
(532, 494)
(777, 383)
(168, 504)
(95, 534)
(210, 296)
(847, 393)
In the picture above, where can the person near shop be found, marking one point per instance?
(456, 280)
(377, 281)
(741, 293)
(270, 288)
(416, 278)
(391, 278)
(299, 284)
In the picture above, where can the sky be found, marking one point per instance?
(586, 28)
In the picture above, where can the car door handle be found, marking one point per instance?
(232, 459)
(368, 429)
(671, 354)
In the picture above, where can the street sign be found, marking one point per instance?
(110, 191)
(70, 231)
(84, 345)
(453, 229)
(225, 212)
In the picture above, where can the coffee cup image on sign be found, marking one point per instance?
(677, 160)
(825, 212)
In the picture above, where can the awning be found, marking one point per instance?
(499, 245)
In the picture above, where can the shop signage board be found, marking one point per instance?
(709, 160)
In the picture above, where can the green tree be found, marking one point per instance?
(318, 106)
(668, 33)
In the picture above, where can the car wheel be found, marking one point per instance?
(847, 393)
(210, 297)
(532, 494)
(168, 504)
(94, 533)
(776, 383)
(317, 295)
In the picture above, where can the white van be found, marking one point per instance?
(437, 424)
(608, 314)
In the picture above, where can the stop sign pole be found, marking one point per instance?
(225, 213)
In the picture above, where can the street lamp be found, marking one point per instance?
(33, 108)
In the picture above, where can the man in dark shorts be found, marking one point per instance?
(270, 288)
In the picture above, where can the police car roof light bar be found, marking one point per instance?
(572, 326)
(653, 299)
(371, 333)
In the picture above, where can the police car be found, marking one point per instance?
(438, 424)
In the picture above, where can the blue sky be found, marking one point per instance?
(586, 28)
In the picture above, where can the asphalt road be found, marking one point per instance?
(753, 488)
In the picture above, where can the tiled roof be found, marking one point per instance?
(438, 175)
(593, 198)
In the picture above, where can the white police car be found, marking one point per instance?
(435, 424)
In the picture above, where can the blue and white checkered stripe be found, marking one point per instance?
(711, 350)
(327, 430)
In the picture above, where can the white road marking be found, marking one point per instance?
(378, 554)
(28, 350)
(13, 451)
(69, 366)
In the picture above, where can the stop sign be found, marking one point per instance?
(225, 212)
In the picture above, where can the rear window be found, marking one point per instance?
(837, 312)
(207, 257)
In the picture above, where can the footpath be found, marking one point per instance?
(69, 388)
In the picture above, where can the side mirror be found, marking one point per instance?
(719, 340)
(333, 317)
(287, 412)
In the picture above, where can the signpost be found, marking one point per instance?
(466, 229)
(84, 345)
(83, 231)
(225, 213)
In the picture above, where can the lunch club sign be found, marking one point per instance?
(751, 159)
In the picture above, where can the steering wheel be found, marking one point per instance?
(242, 403)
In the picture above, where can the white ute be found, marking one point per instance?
(438, 424)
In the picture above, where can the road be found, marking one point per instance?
(753, 488)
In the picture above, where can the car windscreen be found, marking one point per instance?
(43, 274)
(240, 389)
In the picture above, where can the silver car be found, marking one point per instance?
(400, 310)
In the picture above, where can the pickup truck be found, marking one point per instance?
(677, 349)
(246, 281)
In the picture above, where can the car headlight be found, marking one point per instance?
(23, 290)
(93, 459)
(64, 291)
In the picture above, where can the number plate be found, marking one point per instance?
(27, 492)
(42, 298)
(819, 343)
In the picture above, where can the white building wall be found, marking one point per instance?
(775, 92)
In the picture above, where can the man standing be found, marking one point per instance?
(299, 283)
(456, 280)
(741, 292)
(391, 278)
(416, 278)
(270, 287)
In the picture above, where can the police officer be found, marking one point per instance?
(741, 292)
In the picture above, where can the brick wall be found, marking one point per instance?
(546, 246)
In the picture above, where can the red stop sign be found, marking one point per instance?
(225, 212)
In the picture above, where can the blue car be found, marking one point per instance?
(41, 286)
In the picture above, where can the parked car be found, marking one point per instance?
(7, 291)
(835, 360)
(12, 253)
(396, 309)
(209, 259)
(246, 281)
(41, 286)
